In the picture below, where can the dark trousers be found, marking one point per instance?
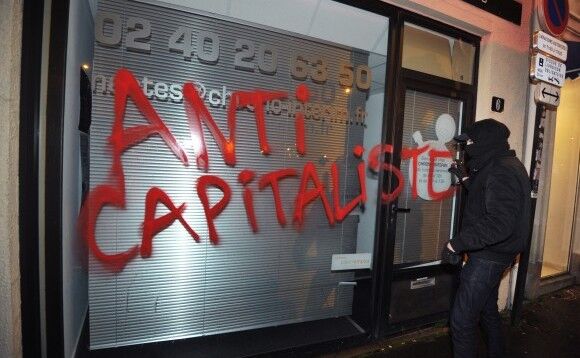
(476, 302)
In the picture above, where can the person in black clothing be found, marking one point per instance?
(494, 230)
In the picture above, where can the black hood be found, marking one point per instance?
(487, 131)
(490, 140)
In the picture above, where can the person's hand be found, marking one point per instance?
(449, 256)
(458, 170)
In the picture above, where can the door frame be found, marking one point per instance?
(28, 176)
(56, 85)
(402, 79)
(413, 80)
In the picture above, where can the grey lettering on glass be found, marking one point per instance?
(113, 36)
(363, 77)
(208, 55)
(265, 66)
(180, 42)
(298, 67)
(138, 34)
(319, 72)
(244, 55)
(345, 74)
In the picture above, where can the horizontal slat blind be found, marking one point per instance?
(276, 276)
(422, 232)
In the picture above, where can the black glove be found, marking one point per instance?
(450, 257)
(458, 170)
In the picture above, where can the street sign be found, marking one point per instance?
(548, 70)
(547, 94)
(553, 15)
(550, 45)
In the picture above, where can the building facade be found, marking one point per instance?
(234, 178)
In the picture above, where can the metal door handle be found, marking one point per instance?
(403, 210)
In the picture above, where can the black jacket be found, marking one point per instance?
(496, 219)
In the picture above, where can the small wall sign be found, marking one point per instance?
(550, 45)
(547, 94)
(422, 282)
(546, 69)
(497, 104)
(351, 262)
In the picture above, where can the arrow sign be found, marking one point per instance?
(547, 94)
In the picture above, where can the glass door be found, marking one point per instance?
(425, 214)
(426, 206)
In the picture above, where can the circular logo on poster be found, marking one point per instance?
(553, 15)
(437, 177)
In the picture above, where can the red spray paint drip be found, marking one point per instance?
(272, 179)
(245, 177)
(211, 212)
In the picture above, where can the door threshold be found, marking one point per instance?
(553, 283)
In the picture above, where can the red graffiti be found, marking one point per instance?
(305, 196)
(255, 99)
(413, 154)
(245, 177)
(342, 212)
(311, 187)
(152, 225)
(211, 212)
(121, 139)
(271, 179)
(434, 154)
(374, 163)
(197, 112)
(303, 95)
(97, 199)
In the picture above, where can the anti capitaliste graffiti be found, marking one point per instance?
(425, 162)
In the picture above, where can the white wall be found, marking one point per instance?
(575, 256)
(74, 260)
(564, 177)
(10, 38)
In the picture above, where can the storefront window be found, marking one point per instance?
(229, 179)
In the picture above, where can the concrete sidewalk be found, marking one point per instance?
(550, 327)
